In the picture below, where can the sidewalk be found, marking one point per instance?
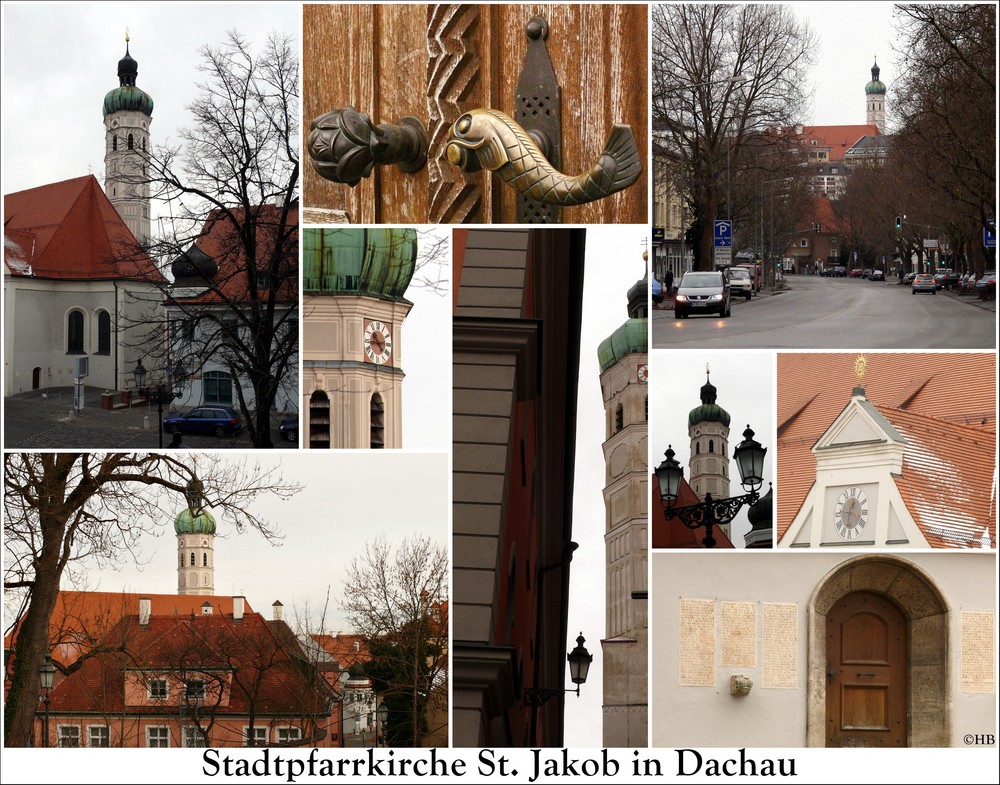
(46, 419)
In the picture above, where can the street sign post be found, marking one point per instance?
(989, 234)
(723, 256)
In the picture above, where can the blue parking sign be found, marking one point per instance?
(723, 234)
(989, 234)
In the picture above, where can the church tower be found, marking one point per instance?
(352, 375)
(128, 111)
(623, 358)
(875, 101)
(708, 428)
(195, 529)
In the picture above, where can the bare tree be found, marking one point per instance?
(724, 75)
(65, 513)
(396, 598)
(231, 187)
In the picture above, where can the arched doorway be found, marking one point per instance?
(870, 588)
(865, 672)
(36, 378)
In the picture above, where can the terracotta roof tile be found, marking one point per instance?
(672, 533)
(838, 138)
(75, 234)
(954, 388)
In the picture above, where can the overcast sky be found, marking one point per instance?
(343, 504)
(613, 264)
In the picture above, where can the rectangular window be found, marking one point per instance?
(194, 690)
(69, 735)
(256, 739)
(289, 735)
(98, 736)
(157, 689)
(157, 736)
(193, 737)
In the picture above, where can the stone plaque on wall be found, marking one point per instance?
(739, 634)
(978, 653)
(780, 648)
(697, 643)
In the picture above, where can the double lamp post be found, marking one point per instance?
(162, 393)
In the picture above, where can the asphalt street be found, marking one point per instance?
(837, 313)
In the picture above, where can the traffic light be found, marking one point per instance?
(899, 222)
(816, 226)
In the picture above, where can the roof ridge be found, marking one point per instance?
(938, 421)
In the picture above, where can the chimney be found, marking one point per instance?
(238, 608)
(276, 607)
(145, 610)
(206, 608)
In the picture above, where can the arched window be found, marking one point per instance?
(74, 333)
(204, 560)
(114, 143)
(697, 448)
(711, 446)
(645, 411)
(131, 142)
(192, 559)
(619, 418)
(319, 420)
(103, 332)
(218, 386)
(378, 422)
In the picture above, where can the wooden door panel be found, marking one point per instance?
(866, 673)
(436, 62)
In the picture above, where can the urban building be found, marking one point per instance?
(624, 361)
(823, 649)
(516, 346)
(906, 459)
(352, 363)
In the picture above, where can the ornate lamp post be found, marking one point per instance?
(749, 455)
(381, 717)
(579, 666)
(162, 393)
(47, 677)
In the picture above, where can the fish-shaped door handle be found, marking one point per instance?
(489, 139)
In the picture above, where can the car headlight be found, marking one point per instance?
(715, 297)
(680, 298)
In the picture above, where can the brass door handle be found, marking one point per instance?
(489, 139)
(345, 145)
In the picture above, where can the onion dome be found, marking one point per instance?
(190, 521)
(369, 262)
(761, 512)
(875, 87)
(128, 97)
(193, 267)
(709, 411)
(630, 338)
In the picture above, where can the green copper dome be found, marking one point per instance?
(630, 338)
(875, 87)
(190, 522)
(373, 262)
(709, 411)
(125, 99)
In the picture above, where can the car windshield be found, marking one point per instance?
(739, 274)
(701, 280)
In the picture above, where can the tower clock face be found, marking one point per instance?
(378, 342)
(850, 513)
(642, 374)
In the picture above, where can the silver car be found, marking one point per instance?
(924, 282)
(702, 292)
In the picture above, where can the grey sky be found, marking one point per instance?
(613, 264)
(745, 384)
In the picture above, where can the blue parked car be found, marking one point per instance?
(218, 420)
(657, 291)
(289, 429)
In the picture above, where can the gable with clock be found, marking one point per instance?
(855, 500)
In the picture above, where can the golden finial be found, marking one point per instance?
(708, 371)
(860, 365)
(127, 39)
(645, 256)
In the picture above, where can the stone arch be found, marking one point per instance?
(927, 614)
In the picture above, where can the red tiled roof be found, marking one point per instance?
(274, 232)
(71, 231)
(266, 678)
(341, 647)
(838, 138)
(813, 389)
(674, 534)
(821, 212)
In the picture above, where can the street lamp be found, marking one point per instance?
(47, 677)
(579, 666)
(749, 455)
(381, 716)
(162, 393)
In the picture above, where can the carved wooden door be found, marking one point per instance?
(866, 673)
(437, 62)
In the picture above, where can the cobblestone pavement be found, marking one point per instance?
(46, 419)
